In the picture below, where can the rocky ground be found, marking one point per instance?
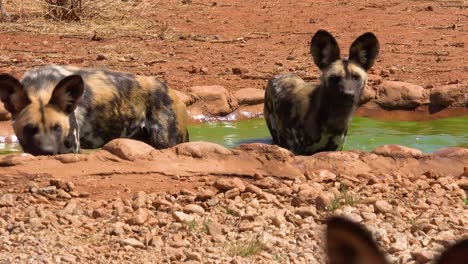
(200, 202)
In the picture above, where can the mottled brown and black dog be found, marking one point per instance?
(307, 118)
(59, 109)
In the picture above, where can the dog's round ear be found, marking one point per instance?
(12, 94)
(349, 242)
(67, 93)
(364, 50)
(457, 253)
(324, 49)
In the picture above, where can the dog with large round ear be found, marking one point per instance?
(12, 94)
(350, 243)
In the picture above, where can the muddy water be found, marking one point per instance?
(364, 134)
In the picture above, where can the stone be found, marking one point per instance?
(139, 217)
(215, 99)
(215, 231)
(200, 149)
(13, 160)
(7, 200)
(240, 70)
(187, 98)
(228, 184)
(383, 206)
(250, 96)
(324, 200)
(129, 149)
(232, 193)
(194, 256)
(194, 209)
(393, 95)
(132, 242)
(182, 217)
(398, 151)
(320, 175)
(204, 195)
(423, 255)
(253, 189)
(63, 194)
(455, 95)
(306, 211)
(118, 229)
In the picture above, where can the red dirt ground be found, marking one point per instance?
(422, 42)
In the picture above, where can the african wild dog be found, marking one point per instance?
(350, 243)
(59, 109)
(307, 118)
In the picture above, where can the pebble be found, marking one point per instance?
(182, 217)
(194, 209)
(228, 184)
(382, 206)
(132, 242)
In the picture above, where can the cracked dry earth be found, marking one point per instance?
(201, 203)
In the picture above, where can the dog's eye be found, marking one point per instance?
(56, 128)
(334, 79)
(30, 129)
(356, 77)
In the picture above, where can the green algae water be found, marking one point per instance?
(364, 133)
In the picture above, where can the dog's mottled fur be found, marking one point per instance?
(350, 243)
(307, 118)
(59, 109)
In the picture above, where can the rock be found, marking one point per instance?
(182, 217)
(204, 195)
(7, 200)
(398, 151)
(200, 149)
(63, 194)
(100, 213)
(451, 152)
(306, 211)
(215, 231)
(240, 70)
(382, 206)
(48, 190)
(129, 149)
(132, 242)
(216, 100)
(423, 255)
(320, 175)
(228, 184)
(324, 200)
(13, 160)
(400, 95)
(118, 229)
(139, 217)
(187, 98)
(250, 96)
(139, 200)
(450, 95)
(71, 158)
(232, 193)
(194, 209)
(194, 256)
(253, 189)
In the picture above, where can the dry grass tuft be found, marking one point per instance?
(64, 10)
(106, 18)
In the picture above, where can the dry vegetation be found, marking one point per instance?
(85, 17)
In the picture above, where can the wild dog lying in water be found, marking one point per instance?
(307, 118)
(58, 109)
(348, 242)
